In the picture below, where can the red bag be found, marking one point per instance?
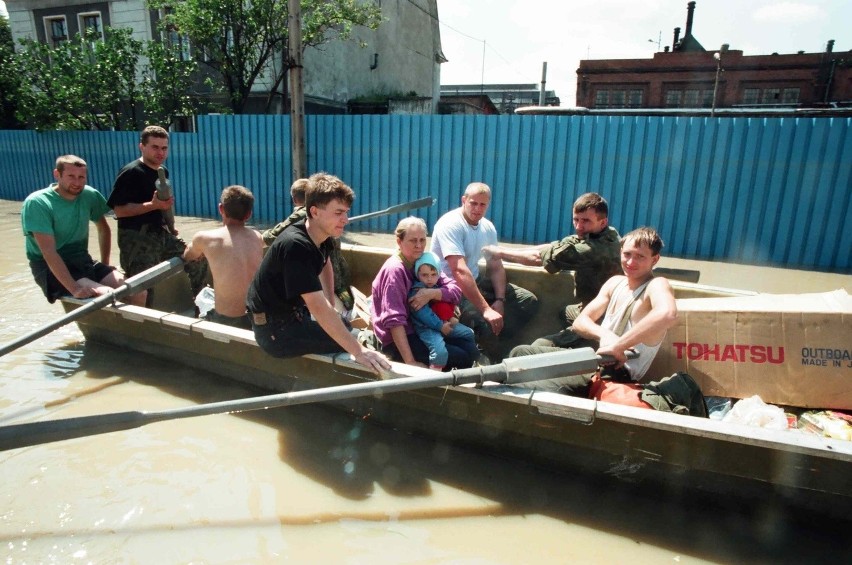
(617, 393)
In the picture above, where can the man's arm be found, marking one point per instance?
(327, 281)
(586, 323)
(530, 256)
(138, 208)
(104, 239)
(195, 250)
(329, 320)
(464, 278)
(47, 246)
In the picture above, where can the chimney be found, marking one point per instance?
(690, 9)
(829, 47)
(676, 37)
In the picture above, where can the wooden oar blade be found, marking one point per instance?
(397, 209)
(36, 433)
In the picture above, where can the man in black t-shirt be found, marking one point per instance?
(144, 239)
(295, 282)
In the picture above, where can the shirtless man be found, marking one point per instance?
(637, 309)
(234, 252)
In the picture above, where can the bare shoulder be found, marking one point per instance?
(611, 283)
(660, 284)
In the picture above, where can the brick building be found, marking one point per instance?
(686, 75)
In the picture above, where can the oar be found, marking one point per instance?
(511, 371)
(413, 205)
(132, 285)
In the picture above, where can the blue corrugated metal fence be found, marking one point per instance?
(753, 190)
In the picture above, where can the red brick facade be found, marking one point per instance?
(687, 80)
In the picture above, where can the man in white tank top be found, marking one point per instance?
(637, 309)
(648, 315)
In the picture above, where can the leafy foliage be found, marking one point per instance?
(94, 83)
(240, 37)
(9, 78)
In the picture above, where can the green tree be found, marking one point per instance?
(91, 82)
(240, 37)
(9, 78)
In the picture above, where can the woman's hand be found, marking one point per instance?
(423, 296)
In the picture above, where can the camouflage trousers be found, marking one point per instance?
(140, 250)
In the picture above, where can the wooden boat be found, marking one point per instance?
(674, 452)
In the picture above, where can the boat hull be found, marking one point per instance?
(571, 434)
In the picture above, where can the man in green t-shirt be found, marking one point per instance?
(55, 221)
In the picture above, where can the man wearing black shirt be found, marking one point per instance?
(144, 239)
(295, 282)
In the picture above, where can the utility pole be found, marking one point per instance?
(718, 57)
(541, 96)
(297, 93)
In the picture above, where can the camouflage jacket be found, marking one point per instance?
(298, 215)
(593, 260)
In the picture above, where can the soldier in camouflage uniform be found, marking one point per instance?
(342, 275)
(593, 253)
(144, 238)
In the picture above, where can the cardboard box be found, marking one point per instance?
(789, 349)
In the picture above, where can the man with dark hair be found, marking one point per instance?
(144, 239)
(234, 252)
(342, 276)
(55, 221)
(290, 298)
(592, 253)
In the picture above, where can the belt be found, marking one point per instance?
(263, 318)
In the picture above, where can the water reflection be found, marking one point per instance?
(309, 484)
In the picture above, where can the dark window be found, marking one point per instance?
(56, 30)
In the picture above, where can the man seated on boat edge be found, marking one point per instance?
(55, 221)
(234, 252)
(390, 303)
(290, 297)
(631, 312)
(342, 274)
(494, 308)
(593, 253)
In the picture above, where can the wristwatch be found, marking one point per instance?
(499, 300)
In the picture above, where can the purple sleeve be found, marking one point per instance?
(450, 290)
(389, 305)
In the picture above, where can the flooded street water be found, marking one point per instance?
(308, 484)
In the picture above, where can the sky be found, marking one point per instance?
(517, 36)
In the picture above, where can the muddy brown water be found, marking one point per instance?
(307, 484)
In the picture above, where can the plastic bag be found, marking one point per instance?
(717, 406)
(205, 301)
(754, 411)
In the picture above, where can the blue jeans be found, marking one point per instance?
(460, 353)
(293, 335)
(461, 336)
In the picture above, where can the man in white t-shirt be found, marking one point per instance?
(491, 306)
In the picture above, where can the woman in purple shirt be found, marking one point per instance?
(390, 303)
